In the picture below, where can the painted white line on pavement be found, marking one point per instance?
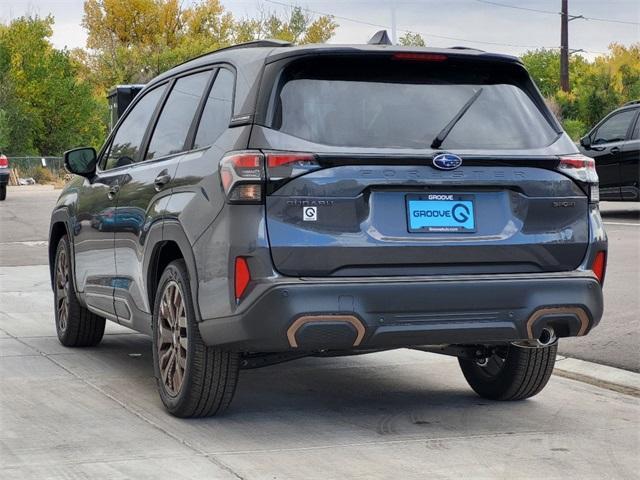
(29, 243)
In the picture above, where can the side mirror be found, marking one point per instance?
(81, 161)
(586, 141)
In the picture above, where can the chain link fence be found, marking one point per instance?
(28, 164)
(42, 170)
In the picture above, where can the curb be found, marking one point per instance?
(611, 378)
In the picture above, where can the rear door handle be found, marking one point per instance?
(113, 191)
(615, 150)
(161, 180)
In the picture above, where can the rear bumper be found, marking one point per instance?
(4, 176)
(381, 313)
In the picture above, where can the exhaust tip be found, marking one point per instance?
(547, 337)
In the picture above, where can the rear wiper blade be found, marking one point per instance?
(449, 126)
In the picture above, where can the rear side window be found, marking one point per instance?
(381, 102)
(217, 111)
(615, 128)
(177, 114)
(125, 148)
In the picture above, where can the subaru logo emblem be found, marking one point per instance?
(447, 161)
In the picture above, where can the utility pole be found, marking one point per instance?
(564, 46)
(394, 33)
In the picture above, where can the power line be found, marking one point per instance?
(550, 12)
(377, 25)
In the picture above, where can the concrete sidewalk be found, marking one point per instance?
(94, 413)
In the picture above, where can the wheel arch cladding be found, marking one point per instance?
(57, 231)
(173, 245)
(164, 252)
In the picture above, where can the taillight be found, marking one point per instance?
(4, 161)
(419, 57)
(579, 167)
(242, 177)
(282, 165)
(242, 277)
(599, 266)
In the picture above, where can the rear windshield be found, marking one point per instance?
(382, 102)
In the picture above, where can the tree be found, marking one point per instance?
(133, 41)
(410, 39)
(46, 107)
(596, 87)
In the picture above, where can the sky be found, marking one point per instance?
(442, 23)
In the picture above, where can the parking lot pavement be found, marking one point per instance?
(615, 341)
(94, 413)
(24, 224)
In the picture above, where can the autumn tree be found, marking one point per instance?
(132, 41)
(411, 39)
(596, 87)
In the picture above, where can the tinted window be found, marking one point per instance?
(177, 114)
(636, 131)
(386, 103)
(615, 128)
(125, 148)
(217, 111)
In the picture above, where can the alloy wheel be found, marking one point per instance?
(62, 290)
(172, 338)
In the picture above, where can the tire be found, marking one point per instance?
(194, 380)
(516, 374)
(3, 192)
(76, 326)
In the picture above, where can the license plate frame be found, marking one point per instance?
(450, 213)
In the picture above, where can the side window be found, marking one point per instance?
(636, 131)
(127, 141)
(177, 114)
(614, 129)
(217, 111)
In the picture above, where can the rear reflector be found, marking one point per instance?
(242, 277)
(599, 266)
(579, 167)
(420, 57)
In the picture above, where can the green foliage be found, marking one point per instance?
(5, 130)
(575, 128)
(596, 87)
(52, 100)
(412, 40)
(46, 108)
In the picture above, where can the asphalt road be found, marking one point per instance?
(24, 224)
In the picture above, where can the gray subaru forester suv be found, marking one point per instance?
(267, 202)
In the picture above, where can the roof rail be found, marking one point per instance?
(632, 102)
(267, 42)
